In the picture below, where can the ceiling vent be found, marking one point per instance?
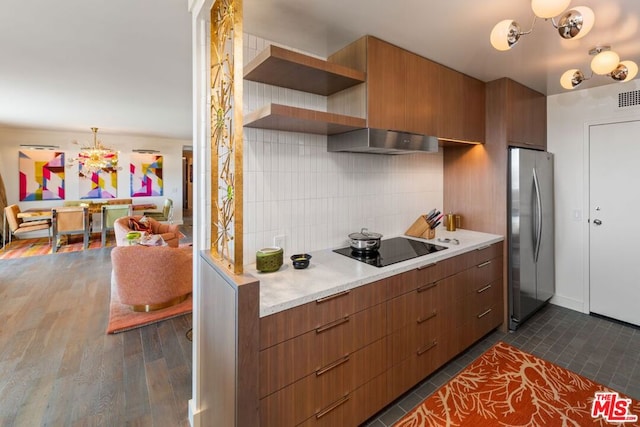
(629, 99)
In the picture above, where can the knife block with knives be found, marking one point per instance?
(425, 226)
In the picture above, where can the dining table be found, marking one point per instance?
(39, 213)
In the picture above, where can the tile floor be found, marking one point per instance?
(602, 350)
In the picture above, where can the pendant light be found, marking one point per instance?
(573, 24)
(549, 8)
(605, 62)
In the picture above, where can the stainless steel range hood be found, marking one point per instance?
(381, 141)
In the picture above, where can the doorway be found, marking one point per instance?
(187, 181)
(614, 203)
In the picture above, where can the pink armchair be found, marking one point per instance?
(152, 278)
(170, 232)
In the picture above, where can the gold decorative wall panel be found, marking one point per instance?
(226, 133)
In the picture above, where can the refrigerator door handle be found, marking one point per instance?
(538, 231)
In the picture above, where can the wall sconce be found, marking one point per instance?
(40, 146)
(573, 24)
(605, 62)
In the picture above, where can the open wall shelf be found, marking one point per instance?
(294, 119)
(281, 67)
(284, 68)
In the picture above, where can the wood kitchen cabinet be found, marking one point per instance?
(449, 310)
(341, 359)
(386, 86)
(475, 177)
(526, 116)
(462, 103)
(318, 361)
(405, 91)
(402, 89)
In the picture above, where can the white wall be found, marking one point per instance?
(171, 149)
(568, 117)
(294, 187)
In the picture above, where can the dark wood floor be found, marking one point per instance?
(58, 367)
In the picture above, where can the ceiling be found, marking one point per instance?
(125, 65)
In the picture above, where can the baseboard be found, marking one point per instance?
(570, 303)
(194, 415)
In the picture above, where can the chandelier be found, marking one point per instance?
(573, 24)
(96, 157)
(605, 62)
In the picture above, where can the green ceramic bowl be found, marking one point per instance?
(269, 259)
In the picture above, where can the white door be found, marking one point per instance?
(614, 226)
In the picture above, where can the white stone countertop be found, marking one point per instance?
(329, 272)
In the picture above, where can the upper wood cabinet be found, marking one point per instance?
(473, 109)
(402, 89)
(386, 94)
(410, 93)
(526, 116)
(462, 102)
(423, 95)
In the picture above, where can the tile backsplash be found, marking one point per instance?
(294, 188)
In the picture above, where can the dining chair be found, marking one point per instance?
(166, 214)
(110, 213)
(18, 227)
(70, 220)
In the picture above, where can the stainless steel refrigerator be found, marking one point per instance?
(530, 233)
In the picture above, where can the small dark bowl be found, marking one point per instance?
(300, 261)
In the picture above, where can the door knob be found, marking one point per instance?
(597, 222)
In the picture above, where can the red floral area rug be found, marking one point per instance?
(20, 248)
(508, 387)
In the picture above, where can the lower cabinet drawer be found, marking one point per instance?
(414, 338)
(315, 393)
(485, 272)
(354, 408)
(480, 325)
(412, 370)
(413, 306)
(296, 321)
(283, 364)
(488, 252)
(478, 302)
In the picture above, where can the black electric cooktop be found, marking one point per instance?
(396, 249)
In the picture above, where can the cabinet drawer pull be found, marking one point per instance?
(481, 248)
(332, 365)
(428, 347)
(422, 267)
(486, 288)
(333, 324)
(431, 316)
(427, 287)
(484, 264)
(330, 297)
(333, 406)
(484, 313)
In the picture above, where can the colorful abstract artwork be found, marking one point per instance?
(146, 175)
(41, 175)
(98, 185)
